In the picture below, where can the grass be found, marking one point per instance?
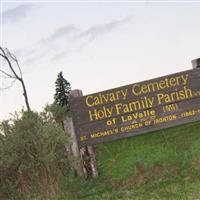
(159, 165)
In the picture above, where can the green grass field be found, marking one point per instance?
(159, 165)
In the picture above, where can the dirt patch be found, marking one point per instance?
(196, 163)
(174, 170)
(140, 177)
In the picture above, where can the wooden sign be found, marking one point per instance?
(137, 108)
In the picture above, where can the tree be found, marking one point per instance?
(13, 72)
(63, 89)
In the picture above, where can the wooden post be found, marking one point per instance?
(83, 160)
(73, 150)
(196, 63)
(93, 162)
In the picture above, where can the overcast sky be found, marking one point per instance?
(97, 45)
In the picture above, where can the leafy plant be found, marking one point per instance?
(32, 157)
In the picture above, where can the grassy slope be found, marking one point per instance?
(160, 165)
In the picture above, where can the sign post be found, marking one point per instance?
(196, 63)
(83, 159)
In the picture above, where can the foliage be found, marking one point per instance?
(159, 165)
(63, 89)
(56, 112)
(32, 157)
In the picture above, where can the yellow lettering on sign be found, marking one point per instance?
(103, 98)
(165, 119)
(97, 114)
(156, 86)
(89, 101)
(138, 115)
(183, 94)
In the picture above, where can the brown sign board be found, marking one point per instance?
(137, 108)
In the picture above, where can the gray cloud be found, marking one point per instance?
(90, 34)
(69, 39)
(58, 56)
(17, 13)
(63, 32)
(95, 31)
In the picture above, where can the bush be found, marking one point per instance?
(56, 112)
(32, 157)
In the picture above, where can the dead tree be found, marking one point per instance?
(13, 72)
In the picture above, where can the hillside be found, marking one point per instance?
(159, 165)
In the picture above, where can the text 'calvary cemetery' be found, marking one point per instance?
(137, 108)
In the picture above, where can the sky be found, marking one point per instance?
(97, 45)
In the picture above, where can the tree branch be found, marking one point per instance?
(16, 61)
(7, 87)
(5, 73)
(2, 76)
(10, 59)
(9, 63)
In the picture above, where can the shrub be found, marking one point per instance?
(32, 157)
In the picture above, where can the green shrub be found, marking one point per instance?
(32, 157)
(56, 112)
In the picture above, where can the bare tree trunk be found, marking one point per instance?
(25, 95)
(10, 58)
